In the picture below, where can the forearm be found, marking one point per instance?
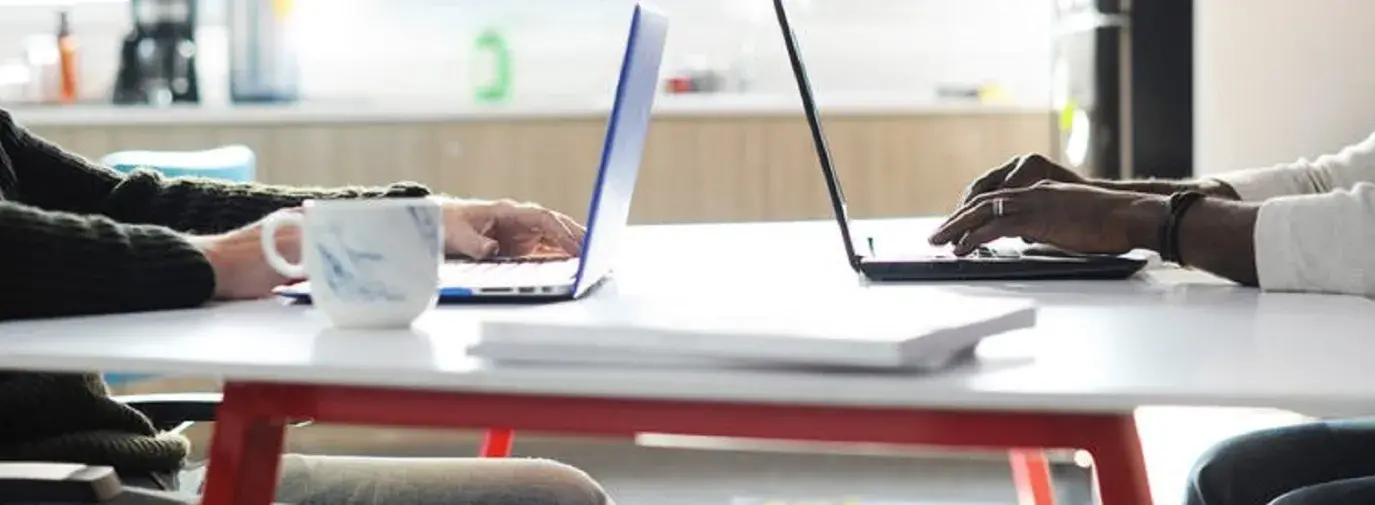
(50, 177)
(207, 207)
(58, 264)
(1218, 236)
(1306, 243)
(1212, 188)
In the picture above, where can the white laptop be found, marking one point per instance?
(863, 328)
(533, 279)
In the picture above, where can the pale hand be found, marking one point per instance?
(473, 228)
(241, 272)
(486, 228)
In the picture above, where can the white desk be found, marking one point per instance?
(1099, 350)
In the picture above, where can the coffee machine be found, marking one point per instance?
(157, 64)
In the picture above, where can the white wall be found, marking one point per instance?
(1281, 79)
(422, 48)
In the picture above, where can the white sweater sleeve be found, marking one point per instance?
(1316, 228)
(1320, 243)
(1353, 164)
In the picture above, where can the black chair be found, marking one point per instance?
(37, 483)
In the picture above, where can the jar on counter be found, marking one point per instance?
(42, 59)
(14, 81)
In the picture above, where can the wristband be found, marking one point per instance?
(1169, 229)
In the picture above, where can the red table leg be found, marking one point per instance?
(1031, 477)
(245, 452)
(497, 442)
(247, 446)
(1119, 464)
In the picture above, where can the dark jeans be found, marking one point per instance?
(1323, 463)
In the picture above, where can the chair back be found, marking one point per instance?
(231, 163)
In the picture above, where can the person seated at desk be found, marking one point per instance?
(1306, 226)
(83, 239)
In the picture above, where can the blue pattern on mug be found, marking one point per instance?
(426, 226)
(346, 271)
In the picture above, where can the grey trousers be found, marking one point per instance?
(338, 480)
(1322, 463)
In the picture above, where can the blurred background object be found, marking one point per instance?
(157, 64)
(354, 49)
(1123, 87)
(66, 58)
(263, 43)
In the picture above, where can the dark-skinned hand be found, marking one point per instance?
(1073, 217)
(1020, 172)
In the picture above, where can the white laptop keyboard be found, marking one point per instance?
(508, 273)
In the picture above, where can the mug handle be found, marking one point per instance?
(269, 241)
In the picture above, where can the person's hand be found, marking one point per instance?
(241, 272)
(1020, 172)
(482, 229)
(1073, 217)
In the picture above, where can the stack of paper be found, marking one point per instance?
(890, 329)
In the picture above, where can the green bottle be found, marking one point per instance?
(491, 46)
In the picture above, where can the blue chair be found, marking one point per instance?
(231, 163)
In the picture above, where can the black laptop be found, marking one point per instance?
(986, 263)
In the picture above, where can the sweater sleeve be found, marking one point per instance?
(1318, 243)
(49, 177)
(1343, 170)
(56, 264)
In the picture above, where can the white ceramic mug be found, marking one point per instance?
(370, 263)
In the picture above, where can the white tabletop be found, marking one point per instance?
(1168, 337)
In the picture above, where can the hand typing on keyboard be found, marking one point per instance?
(543, 255)
(1068, 216)
(483, 229)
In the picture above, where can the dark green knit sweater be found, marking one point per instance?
(76, 238)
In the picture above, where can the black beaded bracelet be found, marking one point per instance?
(1169, 229)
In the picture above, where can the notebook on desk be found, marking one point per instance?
(527, 279)
(853, 329)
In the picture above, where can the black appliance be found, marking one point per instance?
(157, 64)
(1124, 87)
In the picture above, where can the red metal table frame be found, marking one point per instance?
(251, 423)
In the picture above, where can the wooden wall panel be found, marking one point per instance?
(255, 137)
(919, 165)
(695, 168)
(301, 155)
(795, 189)
(692, 168)
(548, 161)
(381, 154)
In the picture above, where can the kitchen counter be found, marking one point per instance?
(344, 111)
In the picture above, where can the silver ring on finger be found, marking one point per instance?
(999, 207)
